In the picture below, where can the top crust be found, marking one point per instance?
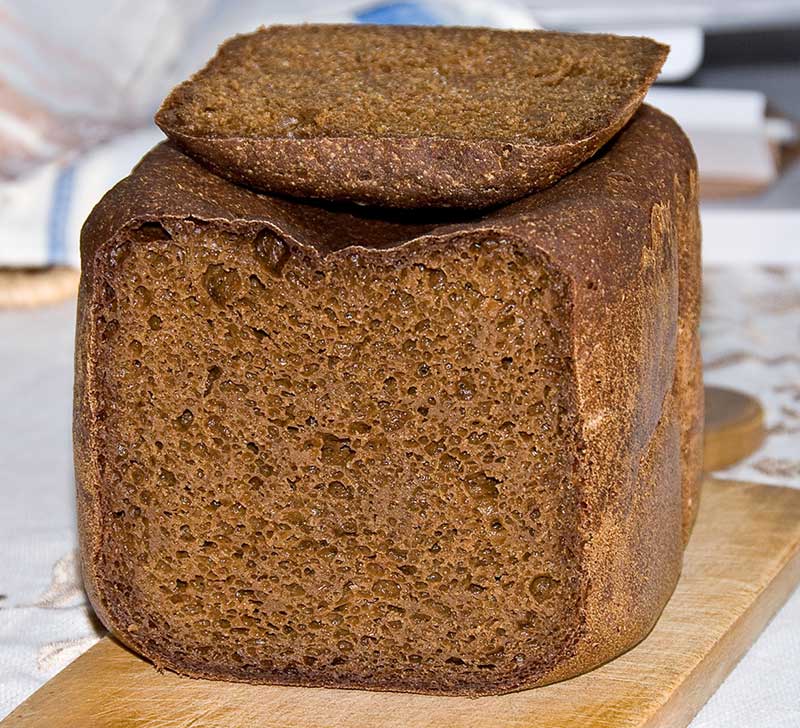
(408, 116)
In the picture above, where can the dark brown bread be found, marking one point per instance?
(689, 367)
(320, 447)
(408, 116)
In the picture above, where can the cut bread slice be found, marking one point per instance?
(408, 116)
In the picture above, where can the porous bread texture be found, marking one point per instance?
(323, 447)
(339, 456)
(408, 116)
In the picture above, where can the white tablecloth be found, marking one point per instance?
(752, 342)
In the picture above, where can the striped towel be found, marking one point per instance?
(77, 98)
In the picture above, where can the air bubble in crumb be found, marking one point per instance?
(222, 284)
(542, 587)
(185, 419)
(271, 251)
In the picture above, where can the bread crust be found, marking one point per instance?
(620, 229)
(403, 173)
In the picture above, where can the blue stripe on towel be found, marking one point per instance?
(398, 13)
(57, 253)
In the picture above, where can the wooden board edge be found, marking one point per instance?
(739, 435)
(697, 689)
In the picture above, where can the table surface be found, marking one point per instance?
(751, 339)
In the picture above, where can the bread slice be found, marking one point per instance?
(318, 446)
(408, 116)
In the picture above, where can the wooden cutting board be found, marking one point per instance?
(741, 564)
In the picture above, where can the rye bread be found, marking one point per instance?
(323, 446)
(408, 116)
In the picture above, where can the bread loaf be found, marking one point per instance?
(441, 453)
(408, 116)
